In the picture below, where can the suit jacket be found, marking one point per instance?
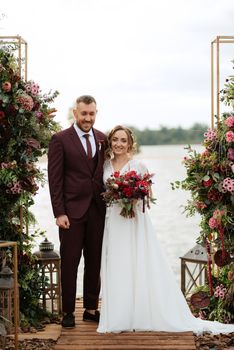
(72, 183)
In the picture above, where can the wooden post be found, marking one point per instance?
(212, 85)
(215, 78)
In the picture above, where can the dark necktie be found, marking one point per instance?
(89, 147)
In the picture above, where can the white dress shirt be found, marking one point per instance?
(81, 134)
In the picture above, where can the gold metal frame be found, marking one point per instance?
(6, 244)
(22, 52)
(215, 94)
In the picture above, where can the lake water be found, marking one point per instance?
(176, 232)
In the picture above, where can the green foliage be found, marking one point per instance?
(206, 179)
(210, 180)
(221, 306)
(26, 126)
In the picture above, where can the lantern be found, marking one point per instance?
(6, 295)
(193, 268)
(48, 261)
(9, 294)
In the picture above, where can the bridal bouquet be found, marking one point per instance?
(126, 189)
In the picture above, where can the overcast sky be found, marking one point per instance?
(147, 62)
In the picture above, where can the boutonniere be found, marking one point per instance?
(100, 144)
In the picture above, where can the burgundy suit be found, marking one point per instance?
(75, 186)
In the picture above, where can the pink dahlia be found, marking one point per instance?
(25, 101)
(213, 223)
(230, 136)
(230, 121)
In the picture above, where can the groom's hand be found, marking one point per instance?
(63, 221)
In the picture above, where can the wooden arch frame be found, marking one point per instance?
(215, 75)
(22, 52)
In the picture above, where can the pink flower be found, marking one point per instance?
(16, 188)
(228, 185)
(213, 223)
(230, 136)
(6, 86)
(210, 135)
(230, 153)
(32, 87)
(217, 214)
(25, 101)
(220, 291)
(206, 153)
(39, 115)
(230, 121)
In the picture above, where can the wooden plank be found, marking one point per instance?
(80, 330)
(128, 341)
(85, 337)
(126, 347)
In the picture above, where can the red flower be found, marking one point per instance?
(200, 205)
(116, 174)
(11, 110)
(214, 196)
(131, 174)
(207, 183)
(2, 115)
(143, 186)
(128, 192)
(127, 188)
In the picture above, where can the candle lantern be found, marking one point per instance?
(6, 296)
(193, 269)
(48, 261)
(9, 294)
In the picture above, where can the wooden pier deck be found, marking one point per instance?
(85, 337)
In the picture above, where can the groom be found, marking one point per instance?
(75, 170)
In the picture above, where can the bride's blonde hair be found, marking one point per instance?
(132, 145)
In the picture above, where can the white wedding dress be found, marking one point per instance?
(139, 290)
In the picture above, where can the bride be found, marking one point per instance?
(139, 290)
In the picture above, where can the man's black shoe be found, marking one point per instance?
(87, 316)
(68, 321)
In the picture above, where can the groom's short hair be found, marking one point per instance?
(87, 99)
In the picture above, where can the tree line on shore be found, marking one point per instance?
(164, 135)
(170, 136)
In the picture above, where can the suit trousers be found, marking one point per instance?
(85, 234)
